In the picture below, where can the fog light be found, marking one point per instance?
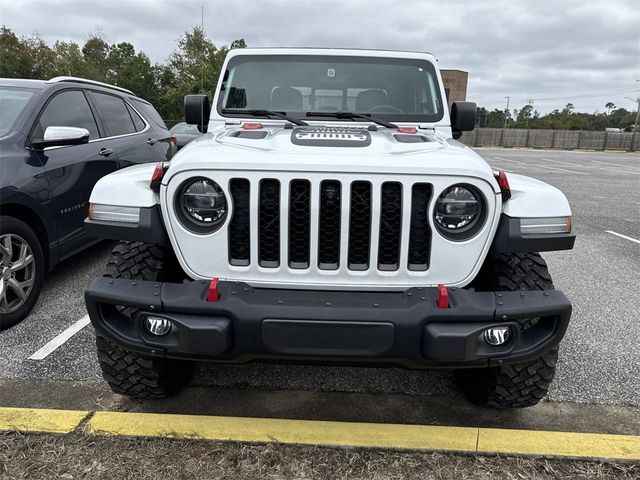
(157, 326)
(497, 335)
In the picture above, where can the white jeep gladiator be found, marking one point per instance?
(329, 215)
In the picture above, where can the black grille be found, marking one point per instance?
(420, 233)
(390, 226)
(329, 225)
(299, 223)
(269, 221)
(239, 230)
(359, 226)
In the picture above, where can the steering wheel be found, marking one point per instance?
(384, 109)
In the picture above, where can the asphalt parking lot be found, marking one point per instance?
(599, 357)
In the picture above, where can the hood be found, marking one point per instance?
(331, 148)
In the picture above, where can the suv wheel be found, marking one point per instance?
(21, 270)
(522, 384)
(129, 373)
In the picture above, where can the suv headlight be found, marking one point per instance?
(459, 212)
(201, 205)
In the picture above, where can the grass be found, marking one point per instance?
(78, 456)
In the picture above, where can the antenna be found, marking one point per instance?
(202, 57)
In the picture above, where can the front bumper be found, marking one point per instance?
(390, 328)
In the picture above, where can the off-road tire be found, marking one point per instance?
(13, 226)
(522, 384)
(129, 373)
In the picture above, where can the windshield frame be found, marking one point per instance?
(417, 60)
(34, 94)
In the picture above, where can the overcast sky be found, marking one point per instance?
(582, 51)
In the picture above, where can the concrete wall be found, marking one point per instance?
(561, 139)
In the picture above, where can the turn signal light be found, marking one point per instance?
(252, 125)
(157, 175)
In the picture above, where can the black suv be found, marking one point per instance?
(57, 139)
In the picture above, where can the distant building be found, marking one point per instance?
(455, 85)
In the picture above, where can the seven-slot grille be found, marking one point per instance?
(286, 209)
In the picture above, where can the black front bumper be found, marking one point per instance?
(393, 328)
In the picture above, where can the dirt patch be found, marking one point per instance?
(80, 456)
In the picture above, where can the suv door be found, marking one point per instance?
(72, 171)
(132, 138)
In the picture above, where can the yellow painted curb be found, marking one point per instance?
(312, 432)
(40, 420)
(327, 433)
(563, 444)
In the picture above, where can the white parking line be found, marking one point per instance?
(508, 160)
(615, 164)
(622, 236)
(544, 167)
(58, 341)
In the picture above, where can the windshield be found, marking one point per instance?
(394, 89)
(12, 103)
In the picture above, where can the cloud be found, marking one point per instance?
(556, 52)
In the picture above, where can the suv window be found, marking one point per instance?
(12, 104)
(114, 114)
(67, 109)
(137, 120)
(151, 112)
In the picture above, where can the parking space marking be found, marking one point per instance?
(615, 164)
(40, 420)
(622, 236)
(59, 340)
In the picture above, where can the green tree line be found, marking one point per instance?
(559, 119)
(193, 66)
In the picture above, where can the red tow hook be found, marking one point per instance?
(443, 296)
(213, 295)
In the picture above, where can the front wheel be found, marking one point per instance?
(522, 384)
(129, 373)
(21, 270)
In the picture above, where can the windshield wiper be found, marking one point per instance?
(352, 115)
(265, 113)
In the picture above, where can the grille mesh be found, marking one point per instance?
(420, 233)
(299, 223)
(239, 229)
(390, 226)
(269, 219)
(360, 226)
(329, 225)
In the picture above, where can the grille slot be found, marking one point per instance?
(329, 225)
(419, 232)
(269, 224)
(239, 227)
(359, 226)
(390, 226)
(299, 223)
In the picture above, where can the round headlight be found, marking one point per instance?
(459, 212)
(201, 205)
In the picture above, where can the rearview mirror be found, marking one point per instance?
(197, 111)
(63, 136)
(463, 118)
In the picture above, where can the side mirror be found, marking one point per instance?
(197, 111)
(463, 118)
(63, 136)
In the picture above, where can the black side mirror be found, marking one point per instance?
(197, 111)
(463, 118)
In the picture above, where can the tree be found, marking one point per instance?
(609, 106)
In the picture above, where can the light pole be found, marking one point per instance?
(506, 112)
(635, 124)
